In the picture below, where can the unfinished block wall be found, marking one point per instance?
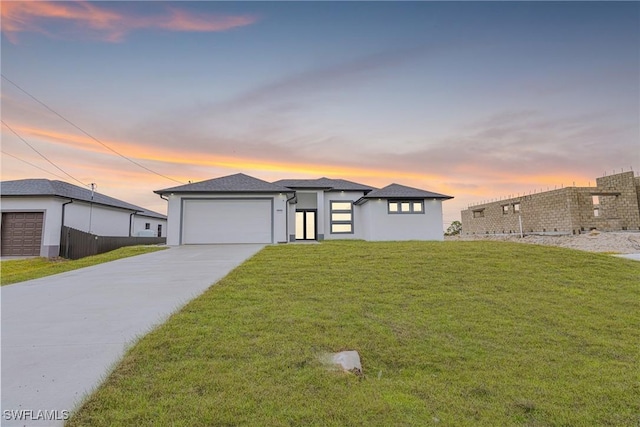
(619, 201)
(611, 206)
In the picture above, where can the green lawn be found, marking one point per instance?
(13, 271)
(449, 333)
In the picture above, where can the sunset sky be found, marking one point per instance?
(477, 100)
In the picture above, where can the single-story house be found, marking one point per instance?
(34, 211)
(243, 209)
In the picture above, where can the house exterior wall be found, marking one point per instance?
(381, 225)
(307, 200)
(291, 221)
(280, 218)
(175, 213)
(52, 209)
(322, 230)
(140, 221)
(97, 219)
(359, 220)
(569, 210)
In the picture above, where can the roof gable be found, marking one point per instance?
(238, 183)
(397, 191)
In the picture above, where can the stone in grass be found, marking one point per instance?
(345, 360)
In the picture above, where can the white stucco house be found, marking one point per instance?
(34, 211)
(243, 209)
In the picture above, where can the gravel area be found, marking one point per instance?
(595, 241)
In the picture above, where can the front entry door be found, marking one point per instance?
(306, 224)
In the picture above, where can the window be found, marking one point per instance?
(341, 217)
(516, 207)
(159, 230)
(505, 209)
(405, 206)
(595, 200)
(147, 226)
(596, 212)
(478, 213)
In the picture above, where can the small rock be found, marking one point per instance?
(347, 360)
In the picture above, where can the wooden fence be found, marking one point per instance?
(75, 244)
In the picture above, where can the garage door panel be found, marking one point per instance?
(21, 233)
(227, 221)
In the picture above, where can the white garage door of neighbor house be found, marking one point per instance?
(227, 221)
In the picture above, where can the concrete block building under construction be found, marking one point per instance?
(612, 205)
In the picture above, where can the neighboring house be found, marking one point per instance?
(149, 224)
(612, 205)
(34, 211)
(242, 209)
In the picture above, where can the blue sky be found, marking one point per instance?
(478, 100)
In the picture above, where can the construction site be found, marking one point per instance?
(612, 205)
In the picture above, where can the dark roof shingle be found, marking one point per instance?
(397, 191)
(324, 183)
(45, 187)
(238, 183)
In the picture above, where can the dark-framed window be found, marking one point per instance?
(147, 225)
(159, 230)
(405, 206)
(505, 209)
(341, 216)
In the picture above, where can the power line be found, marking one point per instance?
(31, 164)
(42, 155)
(87, 133)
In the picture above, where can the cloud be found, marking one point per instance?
(279, 116)
(304, 87)
(175, 160)
(104, 24)
(524, 146)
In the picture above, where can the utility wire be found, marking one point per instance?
(31, 164)
(42, 155)
(87, 133)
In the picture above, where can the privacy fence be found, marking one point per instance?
(75, 244)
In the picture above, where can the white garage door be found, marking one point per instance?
(227, 221)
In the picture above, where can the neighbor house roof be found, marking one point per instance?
(238, 183)
(397, 191)
(45, 187)
(151, 214)
(324, 184)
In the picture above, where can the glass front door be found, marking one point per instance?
(306, 225)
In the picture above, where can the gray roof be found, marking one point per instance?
(151, 214)
(397, 191)
(45, 187)
(324, 183)
(238, 183)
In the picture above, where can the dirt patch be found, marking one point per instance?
(595, 241)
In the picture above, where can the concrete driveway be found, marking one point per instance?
(635, 257)
(61, 334)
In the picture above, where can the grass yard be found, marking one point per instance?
(449, 333)
(19, 270)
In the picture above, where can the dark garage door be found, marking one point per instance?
(21, 233)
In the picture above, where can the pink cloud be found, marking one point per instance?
(103, 24)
